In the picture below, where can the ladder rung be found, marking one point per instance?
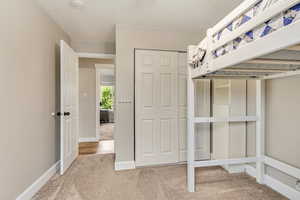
(225, 119)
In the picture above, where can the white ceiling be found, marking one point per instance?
(95, 22)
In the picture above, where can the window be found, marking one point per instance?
(106, 97)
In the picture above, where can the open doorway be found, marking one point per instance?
(96, 106)
(107, 91)
(105, 109)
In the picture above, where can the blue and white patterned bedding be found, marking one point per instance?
(283, 19)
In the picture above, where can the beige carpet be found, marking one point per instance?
(106, 131)
(93, 178)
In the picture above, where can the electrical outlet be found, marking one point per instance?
(298, 185)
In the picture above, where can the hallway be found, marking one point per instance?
(106, 131)
(104, 146)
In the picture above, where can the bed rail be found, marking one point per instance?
(269, 13)
(260, 27)
(235, 14)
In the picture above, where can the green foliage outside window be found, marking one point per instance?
(107, 97)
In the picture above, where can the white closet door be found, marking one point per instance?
(156, 107)
(202, 132)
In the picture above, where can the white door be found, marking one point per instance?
(202, 131)
(156, 107)
(69, 107)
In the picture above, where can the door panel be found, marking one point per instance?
(69, 106)
(148, 98)
(156, 103)
(165, 136)
(165, 90)
(148, 136)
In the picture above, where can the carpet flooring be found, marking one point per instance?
(92, 177)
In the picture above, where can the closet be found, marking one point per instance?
(161, 109)
(229, 138)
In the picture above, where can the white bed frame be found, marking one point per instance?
(222, 67)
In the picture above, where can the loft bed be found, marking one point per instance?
(257, 40)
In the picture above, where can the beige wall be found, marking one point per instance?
(87, 96)
(87, 103)
(29, 66)
(282, 123)
(128, 38)
(94, 47)
(283, 119)
(91, 62)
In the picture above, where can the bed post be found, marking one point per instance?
(260, 130)
(191, 127)
(208, 48)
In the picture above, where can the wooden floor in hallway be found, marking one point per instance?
(101, 147)
(104, 146)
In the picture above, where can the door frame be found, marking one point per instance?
(134, 89)
(99, 69)
(103, 56)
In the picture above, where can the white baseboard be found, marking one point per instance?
(282, 188)
(251, 171)
(95, 139)
(39, 183)
(125, 165)
(232, 169)
(276, 185)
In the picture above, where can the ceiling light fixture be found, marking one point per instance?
(77, 3)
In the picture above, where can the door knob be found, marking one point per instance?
(67, 113)
(64, 114)
(58, 114)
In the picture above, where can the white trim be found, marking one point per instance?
(251, 171)
(225, 119)
(233, 169)
(96, 55)
(107, 83)
(190, 127)
(95, 139)
(97, 106)
(39, 183)
(124, 165)
(292, 171)
(260, 130)
(234, 161)
(276, 185)
(282, 188)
